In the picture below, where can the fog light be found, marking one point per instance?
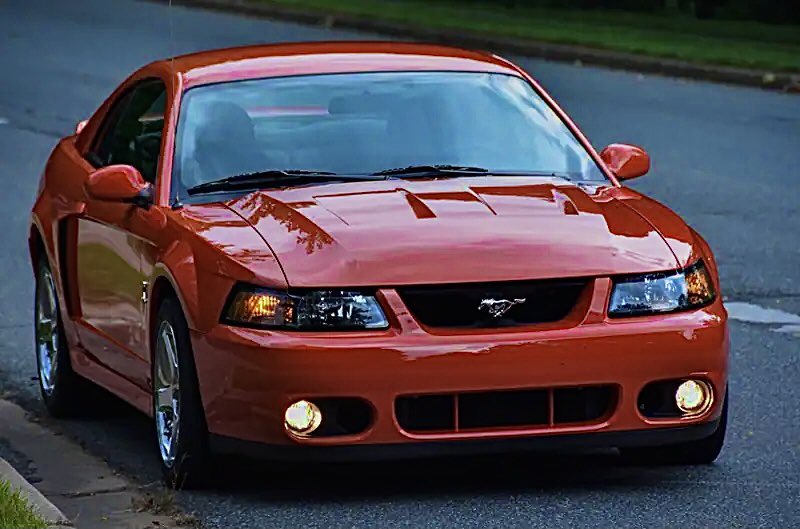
(302, 417)
(693, 397)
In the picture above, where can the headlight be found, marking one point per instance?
(319, 309)
(663, 292)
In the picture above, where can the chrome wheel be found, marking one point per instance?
(166, 393)
(47, 332)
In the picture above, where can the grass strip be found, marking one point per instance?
(736, 43)
(15, 512)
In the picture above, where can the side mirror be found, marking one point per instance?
(120, 183)
(80, 126)
(626, 161)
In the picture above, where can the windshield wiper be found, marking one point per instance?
(272, 176)
(433, 170)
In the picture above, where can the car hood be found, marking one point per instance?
(399, 232)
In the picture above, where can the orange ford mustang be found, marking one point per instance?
(361, 250)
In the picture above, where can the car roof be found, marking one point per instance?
(306, 58)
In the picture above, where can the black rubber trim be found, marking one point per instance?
(372, 452)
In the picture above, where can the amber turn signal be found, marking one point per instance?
(260, 308)
(699, 288)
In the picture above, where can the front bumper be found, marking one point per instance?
(248, 377)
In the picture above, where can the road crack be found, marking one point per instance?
(90, 493)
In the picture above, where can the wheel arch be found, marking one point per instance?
(162, 289)
(35, 243)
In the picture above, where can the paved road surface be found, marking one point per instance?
(726, 158)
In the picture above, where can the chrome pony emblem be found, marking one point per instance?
(498, 307)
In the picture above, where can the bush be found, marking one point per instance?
(631, 5)
(787, 11)
(776, 11)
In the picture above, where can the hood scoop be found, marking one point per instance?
(352, 208)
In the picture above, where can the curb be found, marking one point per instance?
(36, 499)
(81, 485)
(556, 52)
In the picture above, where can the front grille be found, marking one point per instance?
(472, 305)
(529, 408)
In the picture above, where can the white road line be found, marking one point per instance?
(4, 121)
(751, 313)
(789, 329)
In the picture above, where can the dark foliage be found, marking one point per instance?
(775, 11)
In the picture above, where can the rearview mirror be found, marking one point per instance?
(626, 161)
(120, 183)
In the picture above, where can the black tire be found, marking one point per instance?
(701, 452)
(192, 462)
(66, 394)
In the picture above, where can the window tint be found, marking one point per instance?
(132, 134)
(366, 122)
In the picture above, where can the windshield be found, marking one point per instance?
(363, 123)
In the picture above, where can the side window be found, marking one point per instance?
(132, 132)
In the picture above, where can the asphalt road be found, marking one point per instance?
(726, 158)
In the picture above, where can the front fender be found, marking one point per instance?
(207, 251)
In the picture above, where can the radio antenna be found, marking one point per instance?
(171, 38)
(176, 204)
